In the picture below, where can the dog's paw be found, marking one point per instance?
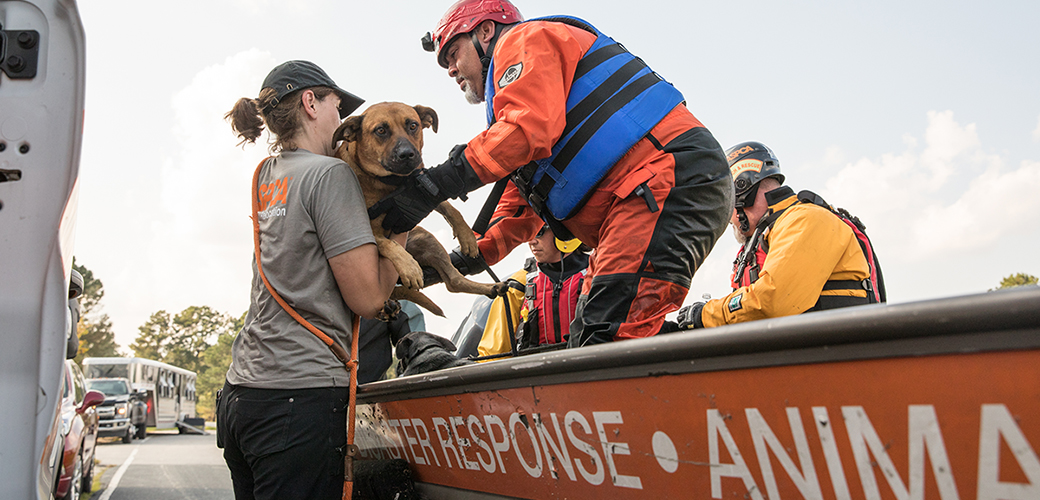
(497, 290)
(468, 243)
(411, 275)
(391, 308)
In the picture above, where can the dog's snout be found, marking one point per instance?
(403, 158)
(405, 153)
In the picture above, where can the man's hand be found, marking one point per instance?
(467, 265)
(463, 263)
(690, 316)
(430, 276)
(422, 192)
(408, 204)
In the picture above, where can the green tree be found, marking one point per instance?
(93, 290)
(96, 338)
(215, 363)
(199, 339)
(181, 339)
(154, 335)
(194, 329)
(1017, 279)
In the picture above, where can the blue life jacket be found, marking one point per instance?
(614, 101)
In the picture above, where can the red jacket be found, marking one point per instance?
(552, 290)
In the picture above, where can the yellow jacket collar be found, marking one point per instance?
(781, 198)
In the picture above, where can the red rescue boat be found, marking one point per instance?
(937, 399)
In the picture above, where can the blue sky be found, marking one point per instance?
(923, 118)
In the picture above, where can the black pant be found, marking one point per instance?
(284, 443)
(677, 238)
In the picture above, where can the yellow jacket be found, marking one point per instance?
(807, 246)
(496, 334)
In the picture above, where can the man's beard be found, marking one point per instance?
(741, 238)
(473, 96)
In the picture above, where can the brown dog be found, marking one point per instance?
(384, 145)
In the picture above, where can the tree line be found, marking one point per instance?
(198, 338)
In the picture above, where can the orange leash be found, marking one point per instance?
(350, 364)
(351, 449)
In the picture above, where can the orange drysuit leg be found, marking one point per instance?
(645, 259)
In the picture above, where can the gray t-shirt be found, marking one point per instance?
(311, 209)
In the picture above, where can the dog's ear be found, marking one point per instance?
(444, 342)
(404, 346)
(427, 116)
(349, 130)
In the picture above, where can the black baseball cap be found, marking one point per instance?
(298, 75)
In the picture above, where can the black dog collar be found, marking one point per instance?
(396, 180)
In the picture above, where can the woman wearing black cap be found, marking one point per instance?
(282, 412)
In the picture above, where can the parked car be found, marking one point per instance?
(79, 427)
(124, 411)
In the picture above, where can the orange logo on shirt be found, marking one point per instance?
(274, 193)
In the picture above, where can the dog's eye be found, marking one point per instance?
(412, 126)
(380, 131)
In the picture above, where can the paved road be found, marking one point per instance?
(165, 466)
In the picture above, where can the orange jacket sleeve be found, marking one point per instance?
(530, 111)
(512, 224)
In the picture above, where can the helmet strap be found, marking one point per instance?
(741, 202)
(485, 58)
(742, 217)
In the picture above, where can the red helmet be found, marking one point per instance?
(463, 17)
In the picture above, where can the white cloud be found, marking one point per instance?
(946, 219)
(205, 186)
(945, 141)
(993, 206)
(937, 200)
(833, 156)
(206, 183)
(942, 194)
(195, 247)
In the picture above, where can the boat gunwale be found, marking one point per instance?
(991, 321)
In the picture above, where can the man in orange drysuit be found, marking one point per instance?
(638, 179)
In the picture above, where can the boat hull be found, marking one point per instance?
(901, 400)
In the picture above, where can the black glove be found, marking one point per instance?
(430, 276)
(467, 265)
(527, 331)
(690, 316)
(422, 192)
